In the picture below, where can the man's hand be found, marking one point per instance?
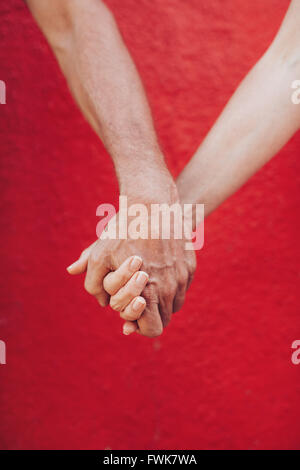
(170, 268)
(105, 83)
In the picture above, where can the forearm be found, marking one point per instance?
(107, 87)
(256, 123)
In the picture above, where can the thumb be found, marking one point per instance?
(80, 265)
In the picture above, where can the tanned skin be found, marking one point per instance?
(256, 123)
(105, 83)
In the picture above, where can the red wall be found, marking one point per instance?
(221, 375)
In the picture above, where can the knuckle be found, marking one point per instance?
(129, 315)
(168, 291)
(122, 277)
(183, 279)
(182, 283)
(107, 280)
(94, 257)
(115, 303)
(192, 263)
(170, 284)
(132, 290)
(108, 285)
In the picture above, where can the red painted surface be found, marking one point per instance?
(221, 375)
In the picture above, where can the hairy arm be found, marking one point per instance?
(256, 123)
(105, 83)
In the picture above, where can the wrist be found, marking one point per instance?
(150, 189)
(147, 181)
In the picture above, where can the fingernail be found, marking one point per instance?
(71, 266)
(127, 330)
(139, 301)
(136, 262)
(141, 278)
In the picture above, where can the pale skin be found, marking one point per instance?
(256, 123)
(263, 118)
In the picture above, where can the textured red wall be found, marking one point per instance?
(221, 375)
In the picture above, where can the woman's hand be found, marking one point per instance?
(125, 286)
